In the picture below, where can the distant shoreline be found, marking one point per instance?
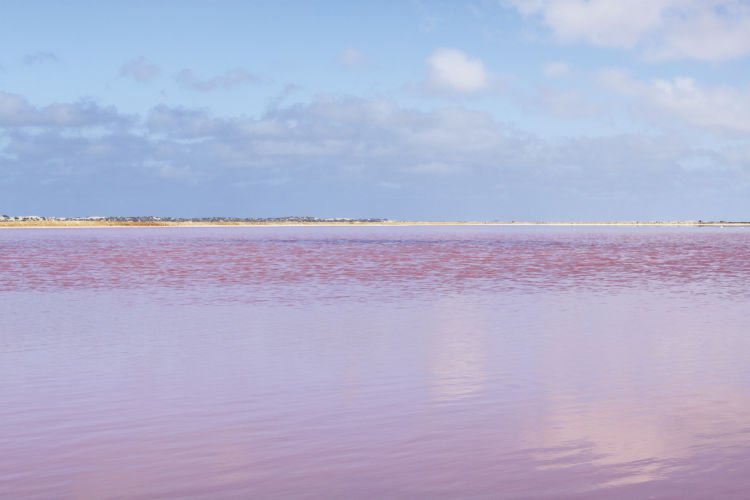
(115, 224)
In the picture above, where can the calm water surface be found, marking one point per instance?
(423, 362)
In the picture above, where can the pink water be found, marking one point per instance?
(450, 362)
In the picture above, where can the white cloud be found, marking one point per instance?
(609, 23)
(351, 58)
(719, 106)
(708, 30)
(454, 71)
(140, 69)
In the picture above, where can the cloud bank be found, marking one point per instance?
(369, 145)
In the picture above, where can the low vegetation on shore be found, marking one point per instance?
(146, 221)
(32, 221)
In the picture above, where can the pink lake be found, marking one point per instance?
(375, 362)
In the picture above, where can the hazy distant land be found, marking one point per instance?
(153, 221)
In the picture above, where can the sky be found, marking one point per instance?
(400, 109)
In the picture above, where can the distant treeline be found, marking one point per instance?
(152, 218)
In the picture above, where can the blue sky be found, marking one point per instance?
(494, 110)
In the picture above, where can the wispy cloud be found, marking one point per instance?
(228, 80)
(561, 103)
(287, 91)
(35, 58)
(685, 100)
(428, 20)
(556, 69)
(140, 69)
(351, 58)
